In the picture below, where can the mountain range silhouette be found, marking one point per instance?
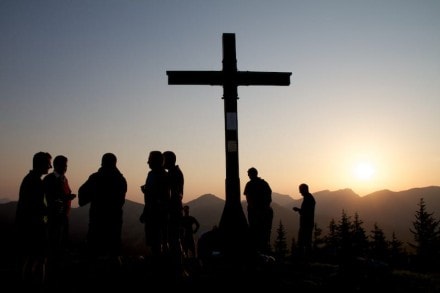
(393, 212)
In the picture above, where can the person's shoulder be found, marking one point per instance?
(95, 174)
(49, 175)
(123, 180)
(265, 182)
(158, 172)
(28, 177)
(94, 177)
(179, 171)
(32, 177)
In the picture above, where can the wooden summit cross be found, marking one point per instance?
(233, 221)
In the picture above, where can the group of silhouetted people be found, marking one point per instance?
(167, 230)
(42, 215)
(260, 215)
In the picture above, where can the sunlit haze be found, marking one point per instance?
(82, 78)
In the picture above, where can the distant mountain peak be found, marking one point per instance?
(206, 199)
(208, 195)
(341, 193)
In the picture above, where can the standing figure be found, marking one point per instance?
(105, 190)
(156, 209)
(306, 221)
(30, 221)
(190, 226)
(175, 182)
(59, 200)
(260, 214)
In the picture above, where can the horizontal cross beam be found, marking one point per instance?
(220, 78)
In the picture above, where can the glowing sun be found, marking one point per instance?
(364, 171)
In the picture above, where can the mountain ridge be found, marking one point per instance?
(393, 211)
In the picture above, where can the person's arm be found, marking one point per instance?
(85, 191)
(49, 190)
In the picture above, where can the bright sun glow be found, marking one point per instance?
(364, 171)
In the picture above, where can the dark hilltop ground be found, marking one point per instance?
(77, 273)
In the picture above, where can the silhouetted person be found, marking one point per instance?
(306, 221)
(31, 222)
(190, 226)
(156, 209)
(260, 214)
(175, 184)
(59, 200)
(105, 190)
(209, 248)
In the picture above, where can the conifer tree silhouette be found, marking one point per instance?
(280, 246)
(426, 231)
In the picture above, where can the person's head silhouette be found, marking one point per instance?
(155, 160)
(60, 164)
(108, 160)
(303, 188)
(252, 172)
(41, 162)
(169, 158)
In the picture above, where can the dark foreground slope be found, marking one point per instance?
(79, 274)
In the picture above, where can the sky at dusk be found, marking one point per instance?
(82, 78)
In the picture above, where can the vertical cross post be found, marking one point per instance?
(233, 222)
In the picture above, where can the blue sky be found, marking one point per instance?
(82, 78)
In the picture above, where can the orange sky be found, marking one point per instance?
(85, 78)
